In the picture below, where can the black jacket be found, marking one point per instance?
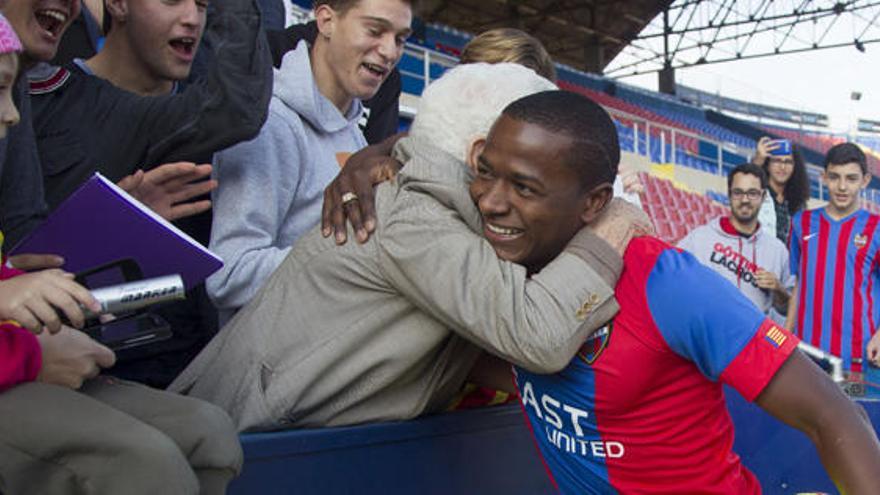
(84, 124)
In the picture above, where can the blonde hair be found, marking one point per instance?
(509, 45)
(461, 106)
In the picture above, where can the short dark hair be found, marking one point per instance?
(595, 151)
(749, 169)
(843, 153)
(342, 6)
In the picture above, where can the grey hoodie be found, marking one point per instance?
(738, 258)
(271, 188)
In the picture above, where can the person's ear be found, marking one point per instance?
(866, 179)
(595, 202)
(118, 10)
(475, 149)
(325, 18)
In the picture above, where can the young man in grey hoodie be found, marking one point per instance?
(740, 249)
(310, 131)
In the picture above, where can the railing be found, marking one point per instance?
(642, 128)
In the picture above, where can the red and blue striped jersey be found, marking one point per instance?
(836, 265)
(641, 408)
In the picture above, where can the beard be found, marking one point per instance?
(744, 215)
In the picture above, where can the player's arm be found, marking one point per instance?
(791, 317)
(803, 396)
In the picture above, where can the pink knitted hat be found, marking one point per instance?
(9, 41)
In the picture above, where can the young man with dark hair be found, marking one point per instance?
(72, 430)
(640, 407)
(834, 254)
(87, 119)
(381, 111)
(124, 112)
(311, 130)
(740, 249)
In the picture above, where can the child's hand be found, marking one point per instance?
(35, 299)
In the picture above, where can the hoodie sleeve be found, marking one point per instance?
(257, 181)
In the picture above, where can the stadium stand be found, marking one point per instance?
(662, 128)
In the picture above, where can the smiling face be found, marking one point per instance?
(532, 202)
(361, 46)
(162, 34)
(746, 196)
(844, 183)
(780, 169)
(40, 24)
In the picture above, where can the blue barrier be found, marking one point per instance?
(485, 451)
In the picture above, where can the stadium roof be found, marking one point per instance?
(585, 34)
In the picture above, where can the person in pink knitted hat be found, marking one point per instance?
(10, 47)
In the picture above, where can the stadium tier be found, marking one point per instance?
(660, 127)
(675, 211)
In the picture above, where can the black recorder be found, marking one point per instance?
(124, 293)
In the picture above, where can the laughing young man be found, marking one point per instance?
(834, 254)
(259, 211)
(123, 109)
(122, 112)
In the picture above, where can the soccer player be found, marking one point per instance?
(834, 255)
(640, 408)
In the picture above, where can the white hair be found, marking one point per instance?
(462, 105)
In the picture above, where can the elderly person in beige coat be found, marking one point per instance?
(391, 329)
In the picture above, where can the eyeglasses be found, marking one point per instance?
(783, 161)
(752, 194)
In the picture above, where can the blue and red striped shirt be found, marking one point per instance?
(641, 408)
(836, 265)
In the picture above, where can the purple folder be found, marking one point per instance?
(100, 223)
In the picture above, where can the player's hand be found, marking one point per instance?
(350, 195)
(763, 149)
(169, 189)
(32, 262)
(767, 281)
(873, 349)
(70, 357)
(620, 223)
(34, 300)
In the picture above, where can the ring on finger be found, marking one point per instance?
(349, 197)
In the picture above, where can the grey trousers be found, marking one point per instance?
(113, 437)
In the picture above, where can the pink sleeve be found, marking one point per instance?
(20, 355)
(7, 272)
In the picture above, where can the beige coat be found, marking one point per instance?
(386, 330)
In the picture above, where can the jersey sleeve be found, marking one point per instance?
(794, 246)
(706, 320)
